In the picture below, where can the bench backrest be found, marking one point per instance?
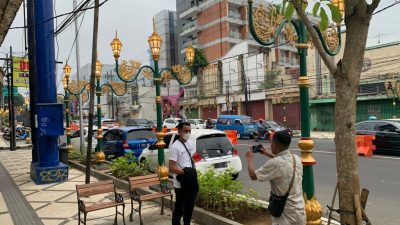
(96, 188)
(143, 181)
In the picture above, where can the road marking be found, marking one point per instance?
(334, 153)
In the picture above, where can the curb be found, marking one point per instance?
(198, 213)
(16, 147)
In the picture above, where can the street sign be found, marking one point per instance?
(5, 91)
(21, 72)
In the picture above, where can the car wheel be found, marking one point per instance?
(238, 136)
(235, 176)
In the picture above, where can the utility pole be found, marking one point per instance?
(77, 77)
(244, 85)
(227, 97)
(92, 91)
(11, 107)
(248, 84)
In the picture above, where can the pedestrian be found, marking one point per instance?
(284, 171)
(184, 172)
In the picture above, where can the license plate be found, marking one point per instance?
(220, 165)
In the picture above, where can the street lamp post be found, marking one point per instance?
(76, 89)
(67, 73)
(265, 37)
(128, 72)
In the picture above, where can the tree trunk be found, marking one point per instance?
(347, 78)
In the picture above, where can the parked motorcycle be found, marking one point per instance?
(6, 134)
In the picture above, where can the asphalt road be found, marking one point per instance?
(379, 174)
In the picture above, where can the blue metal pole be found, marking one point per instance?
(48, 169)
(32, 80)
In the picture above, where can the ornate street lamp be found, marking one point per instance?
(129, 71)
(265, 27)
(65, 81)
(76, 88)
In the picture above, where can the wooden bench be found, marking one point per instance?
(101, 187)
(146, 181)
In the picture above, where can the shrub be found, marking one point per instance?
(219, 193)
(127, 165)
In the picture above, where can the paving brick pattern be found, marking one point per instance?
(56, 204)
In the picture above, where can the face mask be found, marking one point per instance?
(186, 137)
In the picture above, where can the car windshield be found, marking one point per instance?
(214, 145)
(141, 134)
(247, 121)
(140, 121)
(200, 121)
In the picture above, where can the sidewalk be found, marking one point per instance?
(6, 144)
(57, 203)
(317, 134)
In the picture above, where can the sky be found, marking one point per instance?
(133, 20)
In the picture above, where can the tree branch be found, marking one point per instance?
(314, 36)
(373, 6)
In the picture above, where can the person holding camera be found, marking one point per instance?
(284, 171)
(182, 166)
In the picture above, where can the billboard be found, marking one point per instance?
(20, 72)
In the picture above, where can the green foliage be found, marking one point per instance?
(289, 11)
(316, 8)
(76, 154)
(336, 15)
(126, 166)
(200, 60)
(323, 24)
(19, 100)
(219, 193)
(270, 78)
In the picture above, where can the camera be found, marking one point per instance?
(256, 148)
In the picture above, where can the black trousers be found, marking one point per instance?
(184, 205)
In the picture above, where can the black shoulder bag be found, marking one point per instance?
(277, 203)
(189, 179)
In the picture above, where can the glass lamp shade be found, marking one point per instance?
(155, 45)
(67, 70)
(116, 46)
(64, 82)
(190, 54)
(98, 69)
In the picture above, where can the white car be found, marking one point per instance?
(197, 123)
(76, 140)
(213, 150)
(171, 122)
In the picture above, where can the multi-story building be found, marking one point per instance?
(379, 88)
(212, 25)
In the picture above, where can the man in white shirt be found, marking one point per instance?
(279, 172)
(182, 166)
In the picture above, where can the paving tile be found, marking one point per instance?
(6, 219)
(67, 186)
(70, 198)
(37, 205)
(52, 221)
(46, 196)
(25, 193)
(3, 205)
(58, 211)
(31, 186)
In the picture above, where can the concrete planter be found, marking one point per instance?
(198, 213)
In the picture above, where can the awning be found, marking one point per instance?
(8, 11)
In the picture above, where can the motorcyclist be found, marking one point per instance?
(262, 131)
(209, 124)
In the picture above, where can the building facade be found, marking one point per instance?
(379, 87)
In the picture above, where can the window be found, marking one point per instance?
(365, 126)
(222, 121)
(191, 121)
(214, 145)
(167, 140)
(114, 135)
(170, 121)
(141, 134)
(385, 127)
(78, 133)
